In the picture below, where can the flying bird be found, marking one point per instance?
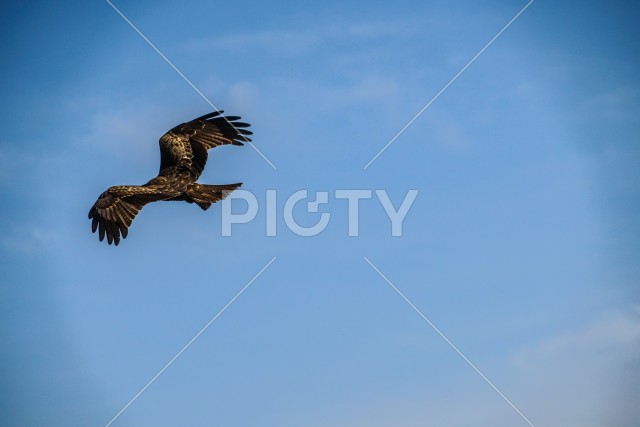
(183, 155)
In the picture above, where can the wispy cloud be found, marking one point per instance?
(446, 131)
(129, 132)
(566, 380)
(617, 103)
(26, 238)
(615, 335)
(242, 96)
(369, 90)
(303, 39)
(574, 378)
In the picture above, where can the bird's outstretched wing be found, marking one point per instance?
(185, 146)
(115, 209)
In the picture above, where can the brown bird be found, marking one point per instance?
(183, 155)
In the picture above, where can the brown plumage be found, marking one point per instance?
(183, 156)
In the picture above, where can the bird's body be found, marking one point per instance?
(183, 156)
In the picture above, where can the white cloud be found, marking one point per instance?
(242, 96)
(123, 132)
(372, 90)
(564, 381)
(615, 334)
(27, 238)
(618, 103)
(303, 39)
(574, 378)
(446, 131)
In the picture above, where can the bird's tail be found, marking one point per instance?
(204, 195)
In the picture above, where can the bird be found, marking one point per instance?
(183, 156)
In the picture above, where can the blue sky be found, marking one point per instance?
(521, 246)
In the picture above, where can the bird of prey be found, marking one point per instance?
(183, 155)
